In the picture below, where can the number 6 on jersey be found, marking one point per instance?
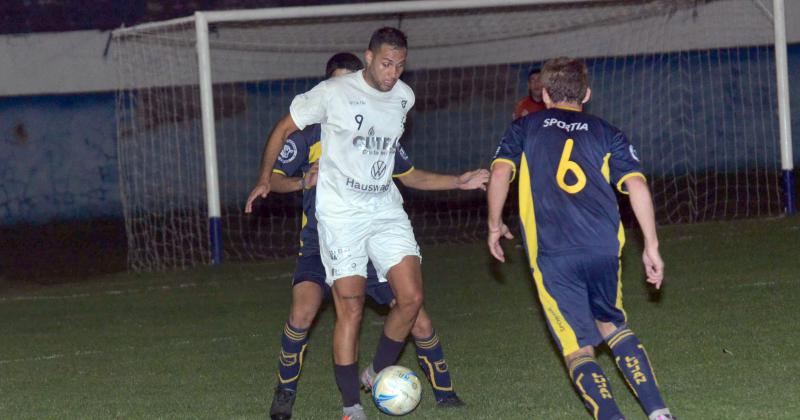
(565, 165)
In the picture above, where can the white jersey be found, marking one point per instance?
(361, 130)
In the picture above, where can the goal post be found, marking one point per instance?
(209, 138)
(784, 112)
(691, 82)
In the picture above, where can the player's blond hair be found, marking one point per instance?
(565, 79)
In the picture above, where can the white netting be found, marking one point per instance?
(690, 82)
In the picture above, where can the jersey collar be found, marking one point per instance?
(567, 108)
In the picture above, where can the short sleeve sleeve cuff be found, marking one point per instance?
(297, 117)
(510, 162)
(310, 107)
(402, 174)
(621, 183)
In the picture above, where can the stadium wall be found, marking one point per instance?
(59, 156)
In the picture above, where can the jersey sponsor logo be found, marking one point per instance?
(289, 152)
(634, 154)
(367, 188)
(576, 126)
(403, 103)
(375, 145)
(378, 170)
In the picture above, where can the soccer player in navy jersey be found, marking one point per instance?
(568, 163)
(296, 170)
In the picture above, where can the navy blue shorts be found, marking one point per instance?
(310, 268)
(575, 291)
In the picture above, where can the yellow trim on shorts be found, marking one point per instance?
(618, 302)
(278, 171)
(564, 333)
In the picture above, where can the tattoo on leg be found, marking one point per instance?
(354, 297)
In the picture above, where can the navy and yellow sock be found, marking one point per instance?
(293, 347)
(430, 356)
(634, 364)
(594, 387)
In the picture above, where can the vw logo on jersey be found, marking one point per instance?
(633, 153)
(289, 152)
(378, 169)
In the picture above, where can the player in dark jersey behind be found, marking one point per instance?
(296, 170)
(568, 163)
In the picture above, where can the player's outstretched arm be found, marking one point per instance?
(281, 183)
(431, 181)
(642, 204)
(496, 198)
(277, 138)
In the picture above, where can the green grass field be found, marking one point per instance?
(203, 343)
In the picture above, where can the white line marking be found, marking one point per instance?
(169, 343)
(121, 292)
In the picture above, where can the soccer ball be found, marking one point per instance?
(396, 390)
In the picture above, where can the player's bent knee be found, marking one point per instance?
(410, 301)
(306, 300)
(302, 317)
(350, 310)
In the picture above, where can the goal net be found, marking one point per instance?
(691, 82)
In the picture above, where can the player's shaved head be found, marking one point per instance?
(565, 79)
(343, 60)
(387, 35)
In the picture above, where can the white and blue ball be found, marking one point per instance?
(396, 390)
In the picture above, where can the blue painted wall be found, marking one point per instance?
(59, 158)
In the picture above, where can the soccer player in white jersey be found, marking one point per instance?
(296, 170)
(359, 208)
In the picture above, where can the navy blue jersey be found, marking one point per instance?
(567, 162)
(301, 150)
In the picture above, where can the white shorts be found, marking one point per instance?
(347, 244)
